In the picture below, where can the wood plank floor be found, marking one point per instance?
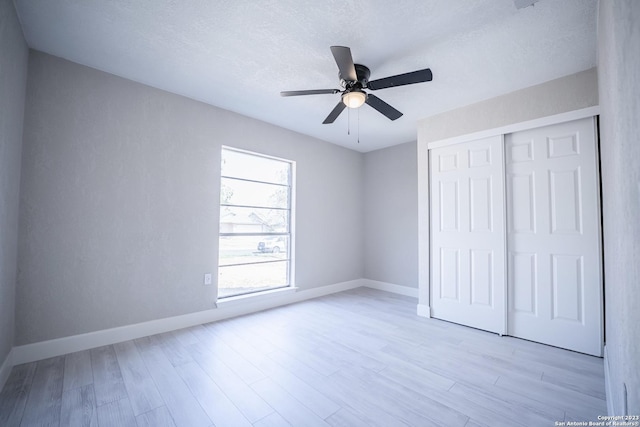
(357, 358)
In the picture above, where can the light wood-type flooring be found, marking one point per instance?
(356, 358)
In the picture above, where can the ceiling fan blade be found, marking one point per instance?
(402, 79)
(343, 58)
(333, 115)
(383, 107)
(308, 92)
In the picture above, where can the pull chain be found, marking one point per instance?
(349, 123)
(358, 126)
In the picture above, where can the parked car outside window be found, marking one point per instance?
(273, 245)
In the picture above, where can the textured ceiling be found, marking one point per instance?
(239, 54)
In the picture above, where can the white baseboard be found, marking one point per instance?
(607, 384)
(424, 310)
(5, 369)
(57, 347)
(390, 287)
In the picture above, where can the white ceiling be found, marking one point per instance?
(239, 54)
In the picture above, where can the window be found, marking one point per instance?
(255, 223)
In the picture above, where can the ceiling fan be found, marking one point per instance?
(354, 78)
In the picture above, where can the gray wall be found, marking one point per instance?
(568, 93)
(13, 80)
(119, 201)
(619, 82)
(391, 215)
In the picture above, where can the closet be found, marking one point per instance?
(515, 235)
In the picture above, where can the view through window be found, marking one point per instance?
(255, 223)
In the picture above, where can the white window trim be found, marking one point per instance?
(255, 296)
(291, 287)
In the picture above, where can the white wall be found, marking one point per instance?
(391, 215)
(119, 201)
(13, 80)
(619, 84)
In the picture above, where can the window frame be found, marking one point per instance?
(289, 235)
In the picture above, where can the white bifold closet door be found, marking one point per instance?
(467, 237)
(554, 261)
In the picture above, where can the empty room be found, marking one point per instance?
(320, 213)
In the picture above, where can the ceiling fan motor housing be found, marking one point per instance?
(363, 74)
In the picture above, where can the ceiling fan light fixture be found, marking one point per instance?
(354, 99)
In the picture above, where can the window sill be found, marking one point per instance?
(254, 297)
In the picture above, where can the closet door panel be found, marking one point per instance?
(482, 277)
(467, 229)
(522, 218)
(566, 208)
(523, 277)
(555, 285)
